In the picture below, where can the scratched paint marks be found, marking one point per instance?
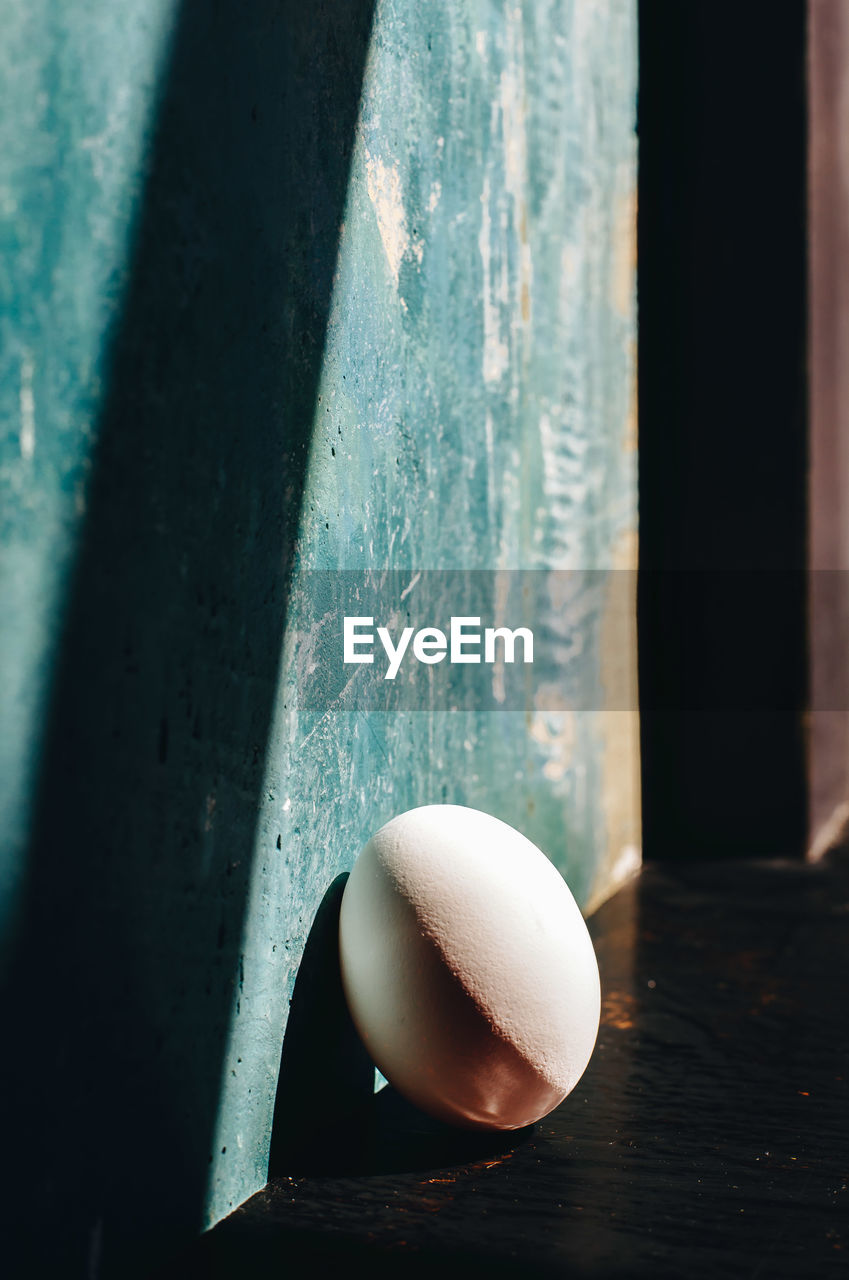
(473, 412)
(584, 475)
(496, 352)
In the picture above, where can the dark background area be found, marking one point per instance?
(723, 454)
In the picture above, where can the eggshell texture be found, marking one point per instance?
(468, 968)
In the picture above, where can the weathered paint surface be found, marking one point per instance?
(79, 91)
(476, 410)
(468, 401)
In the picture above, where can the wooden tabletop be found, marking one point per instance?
(708, 1136)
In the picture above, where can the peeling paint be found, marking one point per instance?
(384, 189)
(624, 266)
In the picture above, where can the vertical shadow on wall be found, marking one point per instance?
(127, 958)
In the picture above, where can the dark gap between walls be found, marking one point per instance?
(723, 443)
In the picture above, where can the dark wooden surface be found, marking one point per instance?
(708, 1136)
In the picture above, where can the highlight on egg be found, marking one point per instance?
(468, 969)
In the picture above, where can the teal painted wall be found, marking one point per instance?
(286, 293)
(475, 410)
(79, 95)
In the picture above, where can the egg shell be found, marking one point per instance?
(468, 968)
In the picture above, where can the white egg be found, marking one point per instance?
(468, 968)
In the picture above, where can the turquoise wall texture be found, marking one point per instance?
(284, 291)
